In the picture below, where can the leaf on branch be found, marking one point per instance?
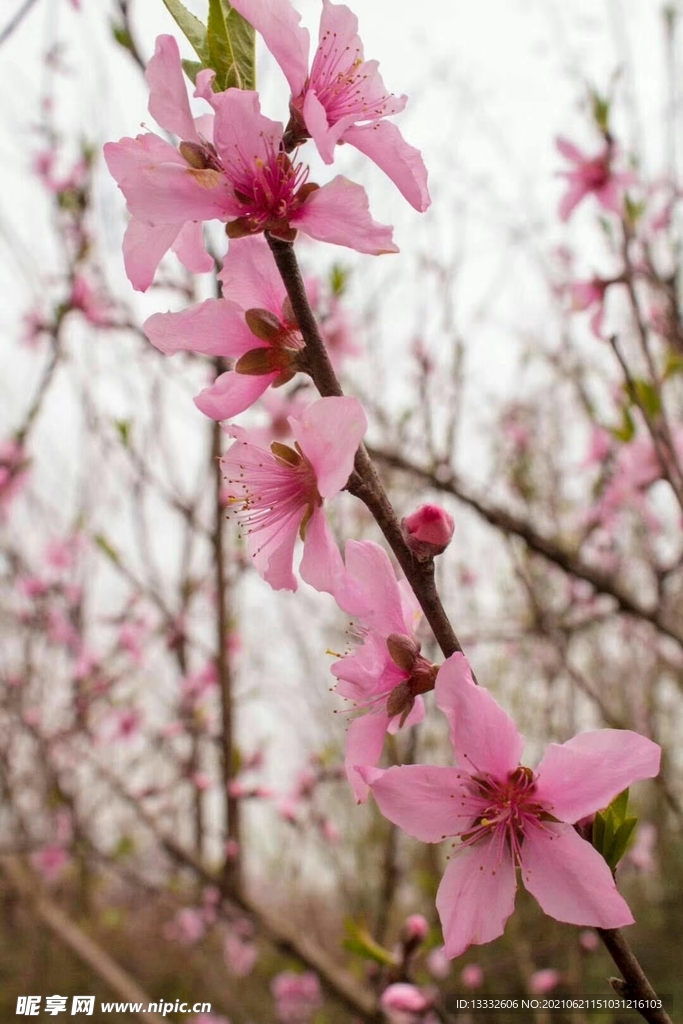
(192, 29)
(232, 48)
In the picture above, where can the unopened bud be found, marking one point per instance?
(428, 531)
(403, 998)
(402, 651)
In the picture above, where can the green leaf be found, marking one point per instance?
(339, 278)
(123, 428)
(619, 806)
(108, 549)
(192, 69)
(621, 840)
(674, 365)
(361, 943)
(192, 29)
(647, 396)
(122, 36)
(627, 429)
(601, 111)
(232, 48)
(124, 847)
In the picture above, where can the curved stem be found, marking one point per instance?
(364, 483)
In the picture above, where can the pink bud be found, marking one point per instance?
(472, 976)
(589, 941)
(415, 928)
(438, 964)
(428, 531)
(402, 998)
(544, 981)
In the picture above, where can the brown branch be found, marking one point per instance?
(71, 936)
(635, 985)
(364, 483)
(286, 937)
(512, 525)
(232, 881)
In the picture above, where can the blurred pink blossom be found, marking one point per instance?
(544, 981)
(297, 996)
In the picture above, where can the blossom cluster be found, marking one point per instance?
(236, 166)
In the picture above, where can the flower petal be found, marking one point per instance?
(321, 566)
(570, 879)
(484, 737)
(339, 213)
(168, 102)
(231, 393)
(144, 247)
(278, 22)
(250, 276)
(371, 591)
(421, 799)
(214, 327)
(476, 896)
(383, 143)
(329, 432)
(242, 134)
(364, 742)
(582, 776)
(189, 248)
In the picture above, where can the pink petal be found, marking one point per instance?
(364, 742)
(329, 432)
(231, 393)
(611, 196)
(189, 248)
(278, 22)
(242, 135)
(570, 879)
(214, 327)
(125, 157)
(569, 151)
(272, 549)
(339, 213)
(577, 190)
(321, 566)
(484, 737)
(476, 896)
(167, 193)
(168, 102)
(250, 276)
(144, 247)
(420, 799)
(383, 143)
(371, 592)
(584, 774)
(325, 135)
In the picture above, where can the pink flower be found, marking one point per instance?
(415, 928)
(342, 98)
(279, 493)
(437, 963)
(472, 976)
(404, 1003)
(133, 162)
(590, 295)
(253, 324)
(241, 176)
(13, 473)
(542, 982)
(94, 307)
(239, 950)
(50, 862)
(428, 531)
(385, 676)
(589, 941)
(507, 815)
(187, 927)
(297, 996)
(592, 176)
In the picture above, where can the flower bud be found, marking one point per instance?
(403, 998)
(428, 531)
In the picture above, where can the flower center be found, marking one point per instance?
(341, 82)
(503, 811)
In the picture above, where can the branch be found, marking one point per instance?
(364, 483)
(635, 985)
(71, 936)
